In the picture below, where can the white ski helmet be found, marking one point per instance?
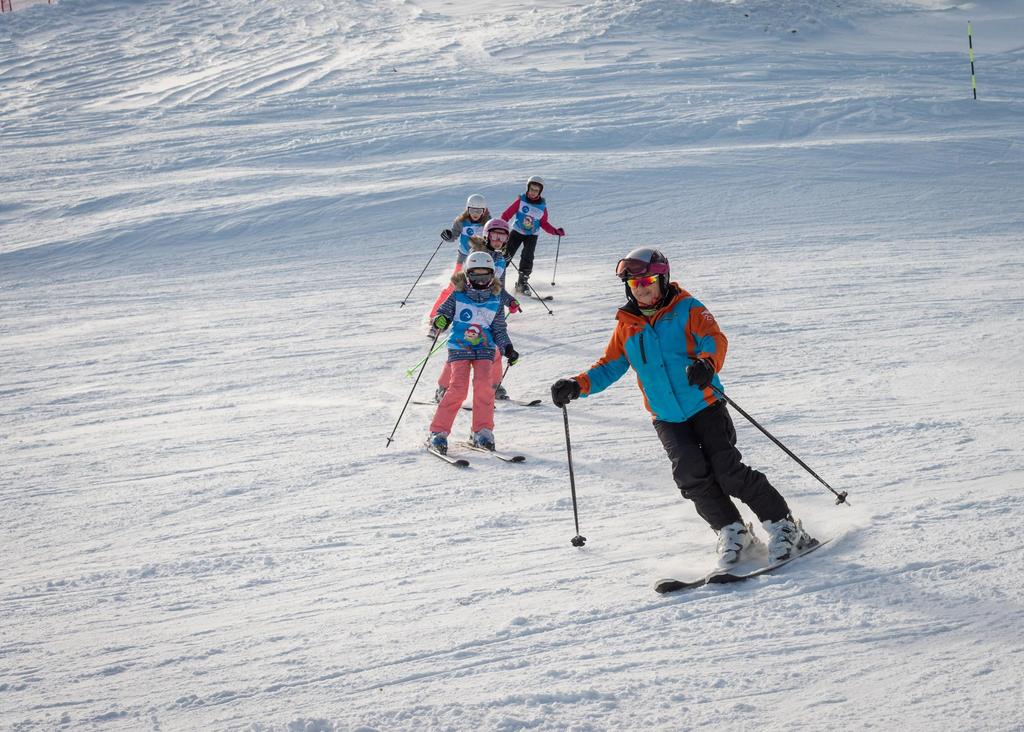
(535, 179)
(477, 261)
(476, 201)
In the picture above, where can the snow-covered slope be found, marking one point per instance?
(210, 212)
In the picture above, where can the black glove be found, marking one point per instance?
(440, 322)
(564, 391)
(512, 355)
(447, 234)
(699, 373)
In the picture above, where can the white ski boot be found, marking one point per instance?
(733, 541)
(786, 537)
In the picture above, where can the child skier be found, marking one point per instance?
(676, 349)
(493, 242)
(468, 224)
(528, 214)
(474, 309)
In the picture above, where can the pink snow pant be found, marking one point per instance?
(444, 380)
(444, 293)
(483, 396)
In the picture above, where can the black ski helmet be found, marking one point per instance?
(641, 262)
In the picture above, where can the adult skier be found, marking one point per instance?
(676, 348)
(528, 214)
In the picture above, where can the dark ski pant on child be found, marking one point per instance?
(707, 468)
(529, 244)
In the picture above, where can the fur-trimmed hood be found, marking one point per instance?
(461, 285)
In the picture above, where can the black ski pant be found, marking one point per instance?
(707, 468)
(529, 244)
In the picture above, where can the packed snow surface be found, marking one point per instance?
(209, 214)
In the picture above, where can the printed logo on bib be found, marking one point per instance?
(466, 315)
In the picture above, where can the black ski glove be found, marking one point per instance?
(440, 322)
(564, 391)
(447, 235)
(699, 373)
(512, 355)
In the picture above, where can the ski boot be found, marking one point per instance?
(482, 438)
(786, 537)
(500, 393)
(438, 441)
(439, 394)
(733, 541)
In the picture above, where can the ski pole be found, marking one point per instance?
(409, 372)
(535, 293)
(421, 273)
(840, 497)
(502, 377)
(970, 46)
(576, 540)
(409, 398)
(558, 248)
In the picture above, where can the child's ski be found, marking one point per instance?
(500, 455)
(538, 296)
(517, 402)
(457, 462)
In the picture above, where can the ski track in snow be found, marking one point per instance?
(211, 211)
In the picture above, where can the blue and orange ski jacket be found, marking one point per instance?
(659, 349)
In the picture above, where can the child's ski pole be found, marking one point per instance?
(409, 398)
(421, 273)
(558, 248)
(409, 372)
(536, 294)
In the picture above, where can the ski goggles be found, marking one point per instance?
(474, 212)
(479, 276)
(645, 281)
(498, 232)
(637, 267)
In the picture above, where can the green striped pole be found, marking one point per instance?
(970, 46)
(438, 347)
